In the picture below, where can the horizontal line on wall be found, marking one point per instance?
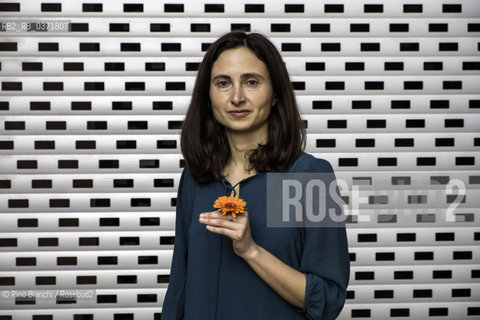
(201, 38)
(161, 248)
(381, 308)
(306, 74)
(357, 152)
(412, 286)
(99, 311)
(81, 272)
(90, 95)
(119, 76)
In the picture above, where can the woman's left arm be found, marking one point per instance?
(289, 283)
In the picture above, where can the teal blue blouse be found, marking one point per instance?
(208, 281)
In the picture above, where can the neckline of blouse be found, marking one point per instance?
(229, 186)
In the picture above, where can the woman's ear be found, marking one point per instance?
(274, 101)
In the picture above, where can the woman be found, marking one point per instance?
(242, 123)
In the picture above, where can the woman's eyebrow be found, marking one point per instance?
(253, 75)
(221, 76)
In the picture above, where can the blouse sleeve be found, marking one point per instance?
(325, 262)
(174, 302)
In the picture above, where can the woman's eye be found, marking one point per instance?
(222, 84)
(252, 83)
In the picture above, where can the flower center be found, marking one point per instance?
(230, 206)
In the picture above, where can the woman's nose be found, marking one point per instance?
(237, 95)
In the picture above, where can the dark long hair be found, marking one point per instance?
(204, 142)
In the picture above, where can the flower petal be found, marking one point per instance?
(232, 205)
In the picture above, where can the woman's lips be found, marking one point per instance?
(239, 113)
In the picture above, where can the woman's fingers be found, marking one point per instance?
(237, 229)
(214, 218)
(224, 224)
(223, 231)
(217, 215)
(218, 222)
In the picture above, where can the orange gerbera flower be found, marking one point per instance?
(232, 205)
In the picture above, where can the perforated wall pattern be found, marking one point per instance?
(90, 159)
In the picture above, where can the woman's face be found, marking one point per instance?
(241, 92)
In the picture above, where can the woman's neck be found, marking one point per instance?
(240, 145)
